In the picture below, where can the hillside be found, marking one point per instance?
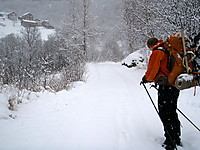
(8, 26)
(110, 111)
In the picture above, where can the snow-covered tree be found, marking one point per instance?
(178, 14)
(147, 18)
(140, 22)
(33, 44)
(9, 48)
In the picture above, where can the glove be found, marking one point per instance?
(144, 80)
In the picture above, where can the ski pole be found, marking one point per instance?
(177, 109)
(151, 99)
(159, 115)
(188, 119)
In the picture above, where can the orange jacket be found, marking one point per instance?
(157, 65)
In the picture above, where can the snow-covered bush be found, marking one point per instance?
(135, 59)
(11, 98)
(29, 64)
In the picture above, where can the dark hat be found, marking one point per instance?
(152, 41)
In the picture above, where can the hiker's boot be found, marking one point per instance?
(168, 145)
(178, 142)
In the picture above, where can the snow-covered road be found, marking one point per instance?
(110, 111)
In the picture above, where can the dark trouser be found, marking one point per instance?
(167, 105)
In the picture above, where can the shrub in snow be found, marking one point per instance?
(36, 63)
(11, 98)
(4, 111)
(135, 59)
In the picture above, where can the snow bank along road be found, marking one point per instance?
(110, 111)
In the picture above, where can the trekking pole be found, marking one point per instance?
(188, 119)
(159, 115)
(177, 109)
(151, 99)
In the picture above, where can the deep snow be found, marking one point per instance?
(110, 111)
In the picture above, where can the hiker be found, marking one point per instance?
(157, 72)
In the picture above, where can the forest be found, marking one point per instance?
(86, 31)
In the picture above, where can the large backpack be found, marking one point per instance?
(177, 58)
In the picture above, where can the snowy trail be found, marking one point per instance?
(111, 111)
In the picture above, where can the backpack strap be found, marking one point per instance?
(162, 80)
(159, 44)
(163, 49)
